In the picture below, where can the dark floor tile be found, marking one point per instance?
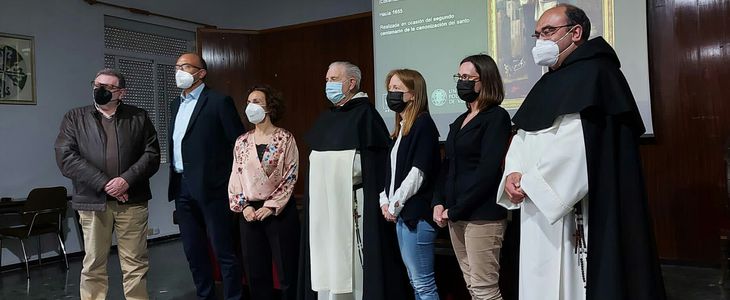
(169, 278)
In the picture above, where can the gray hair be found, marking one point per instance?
(351, 70)
(115, 73)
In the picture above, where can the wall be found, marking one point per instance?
(689, 51)
(271, 14)
(238, 59)
(69, 49)
(689, 45)
(69, 45)
(234, 61)
(689, 54)
(251, 14)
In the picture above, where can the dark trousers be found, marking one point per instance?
(203, 222)
(275, 237)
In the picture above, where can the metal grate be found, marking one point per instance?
(109, 61)
(167, 92)
(140, 84)
(147, 63)
(140, 42)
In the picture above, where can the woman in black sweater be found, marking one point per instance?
(465, 192)
(412, 170)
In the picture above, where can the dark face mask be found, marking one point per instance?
(465, 88)
(395, 101)
(102, 96)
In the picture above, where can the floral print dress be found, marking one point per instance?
(270, 179)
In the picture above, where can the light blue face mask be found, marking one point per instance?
(334, 91)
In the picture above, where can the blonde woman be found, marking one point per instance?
(412, 169)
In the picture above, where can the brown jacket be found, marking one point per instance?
(81, 155)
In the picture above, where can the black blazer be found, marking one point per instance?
(472, 168)
(420, 149)
(207, 146)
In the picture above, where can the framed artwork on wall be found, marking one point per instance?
(17, 69)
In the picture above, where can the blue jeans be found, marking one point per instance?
(416, 249)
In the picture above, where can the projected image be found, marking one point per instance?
(430, 36)
(511, 22)
(433, 36)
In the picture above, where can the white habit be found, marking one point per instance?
(335, 262)
(554, 178)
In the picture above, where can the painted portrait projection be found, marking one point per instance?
(511, 24)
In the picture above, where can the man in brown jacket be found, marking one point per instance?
(110, 150)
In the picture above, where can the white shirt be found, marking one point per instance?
(410, 185)
(184, 113)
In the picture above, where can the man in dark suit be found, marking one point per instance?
(203, 130)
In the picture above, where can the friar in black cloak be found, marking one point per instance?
(348, 250)
(574, 170)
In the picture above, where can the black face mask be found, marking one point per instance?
(102, 96)
(465, 88)
(395, 101)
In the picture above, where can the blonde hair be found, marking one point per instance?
(413, 80)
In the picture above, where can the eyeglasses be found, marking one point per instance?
(465, 77)
(186, 67)
(109, 87)
(548, 31)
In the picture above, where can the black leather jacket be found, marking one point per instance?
(81, 155)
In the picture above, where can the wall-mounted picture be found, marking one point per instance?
(17, 69)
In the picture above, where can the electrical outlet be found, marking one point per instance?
(153, 231)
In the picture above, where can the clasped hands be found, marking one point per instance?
(440, 215)
(390, 211)
(251, 214)
(117, 188)
(513, 188)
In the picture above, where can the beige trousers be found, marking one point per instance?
(130, 224)
(477, 245)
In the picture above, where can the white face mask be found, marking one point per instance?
(547, 52)
(184, 79)
(255, 113)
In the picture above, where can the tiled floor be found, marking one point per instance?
(169, 278)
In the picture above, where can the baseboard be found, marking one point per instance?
(79, 255)
(682, 263)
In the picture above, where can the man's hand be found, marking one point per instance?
(386, 214)
(263, 213)
(249, 214)
(513, 188)
(116, 187)
(123, 198)
(438, 212)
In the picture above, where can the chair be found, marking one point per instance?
(42, 213)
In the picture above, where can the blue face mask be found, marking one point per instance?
(334, 91)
